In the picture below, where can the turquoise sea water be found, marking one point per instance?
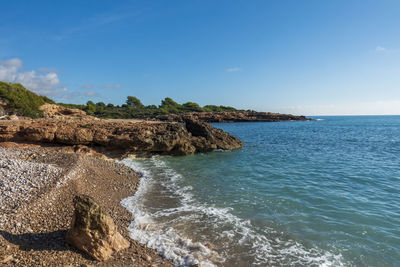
(318, 193)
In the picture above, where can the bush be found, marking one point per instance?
(22, 101)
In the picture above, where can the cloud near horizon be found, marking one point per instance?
(87, 86)
(111, 86)
(382, 107)
(380, 48)
(76, 94)
(235, 69)
(11, 70)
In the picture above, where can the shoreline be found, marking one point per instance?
(33, 232)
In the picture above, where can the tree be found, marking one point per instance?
(169, 102)
(134, 102)
(90, 108)
(191, 106)
(170, 106)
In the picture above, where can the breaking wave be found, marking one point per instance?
(186, 230)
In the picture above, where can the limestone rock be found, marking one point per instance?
(209, 137)
(56, 110)
(119, 135)
(13, 117)
(93, 231)
(233, 116)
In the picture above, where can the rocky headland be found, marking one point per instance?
(121, 136)
(232, 116)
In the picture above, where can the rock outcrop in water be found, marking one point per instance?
(93, 231)
(233, 116)
(120, 135)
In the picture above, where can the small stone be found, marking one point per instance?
(210, 246)
(6, 259)
(147, 258)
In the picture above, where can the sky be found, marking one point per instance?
(310, 57)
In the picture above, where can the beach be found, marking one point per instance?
(38, 186)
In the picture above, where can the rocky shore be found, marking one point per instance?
(45, 163)
(122, 136)
(232, 116)
(37, 189)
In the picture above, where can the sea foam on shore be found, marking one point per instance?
(186, 230)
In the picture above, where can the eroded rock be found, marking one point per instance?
(232, 116)
(93, 231)
(56, 110)
(208, 137)
(119, 135)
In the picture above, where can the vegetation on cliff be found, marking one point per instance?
(133, 108)
(19, 100)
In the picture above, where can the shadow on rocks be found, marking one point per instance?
(41, 241)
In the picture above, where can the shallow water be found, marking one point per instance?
(319, 193)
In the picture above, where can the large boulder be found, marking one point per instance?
(93, 231)
(207, 137)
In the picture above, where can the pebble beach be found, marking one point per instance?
(37, 185)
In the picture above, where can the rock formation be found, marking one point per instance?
(214, 138)
(120, 135)
(93, 231)
(233, 116)
(50, 110)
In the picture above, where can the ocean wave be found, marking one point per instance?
(186, 232)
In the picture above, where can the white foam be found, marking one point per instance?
(179, 248)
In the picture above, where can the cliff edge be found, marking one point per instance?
(124, 136)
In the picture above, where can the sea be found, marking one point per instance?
(302, 193)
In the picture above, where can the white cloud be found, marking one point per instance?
(46, 70)
(111, 86)
(75, 95)
(44, 84)
(233, 69)
(94, 22)
(87, 86)
(380, 48)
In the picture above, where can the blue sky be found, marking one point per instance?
(302, 57)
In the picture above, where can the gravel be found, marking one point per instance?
(19, 179)
(37, 186)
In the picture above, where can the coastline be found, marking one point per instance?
(34, 225)
(33, 232)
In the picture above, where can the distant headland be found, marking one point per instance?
(15, 99)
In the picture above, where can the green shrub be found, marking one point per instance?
(22, 101)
